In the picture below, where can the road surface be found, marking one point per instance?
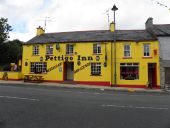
(38, 107)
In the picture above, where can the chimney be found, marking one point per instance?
(112, 27)
(149, 23)
(40, 31)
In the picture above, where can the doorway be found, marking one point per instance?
(68, 71)
(152, 74)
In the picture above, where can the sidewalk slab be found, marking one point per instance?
(81, 86)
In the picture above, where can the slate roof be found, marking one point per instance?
(92, 36)
(161, 30)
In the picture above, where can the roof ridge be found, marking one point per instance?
(75, 31)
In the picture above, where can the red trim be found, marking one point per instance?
(97, 83)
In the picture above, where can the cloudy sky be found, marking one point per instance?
(78, 15)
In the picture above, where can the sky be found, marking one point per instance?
(79, 15)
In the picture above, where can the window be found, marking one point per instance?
(38, 67)
(49, 49)
(126, 50)
(129, 71)
(146, 48)
(96, 48)
(95, 68)
(167, 75)
(69, 49)
(36, 50)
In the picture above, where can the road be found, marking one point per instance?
(39, 107)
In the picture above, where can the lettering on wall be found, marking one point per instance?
(68, 58)
(81, 68)
(54, 67)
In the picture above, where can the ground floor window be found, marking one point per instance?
(95, 68)
(129, 71)
(167, 75)
(38, 67)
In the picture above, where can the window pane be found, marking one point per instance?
(95, 68)
(69, 49)
(126, 50)
(49, 49)
(146, 49)
(96, 48)
(129, 72)
(35, 50)
(38, 67)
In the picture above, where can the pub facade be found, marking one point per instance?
(123, 58)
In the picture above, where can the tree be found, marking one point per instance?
(11, 51)
(5, 28)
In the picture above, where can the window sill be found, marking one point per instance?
(37, 73)
(147, 57)
(127, 57)
(36, 55)
(129, 79)
(95, 75)
(70, 54)
(49, 55)
(97, 53)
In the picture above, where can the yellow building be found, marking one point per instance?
(91, 57)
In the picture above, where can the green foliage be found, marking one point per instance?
(5, 28)
(11, 51)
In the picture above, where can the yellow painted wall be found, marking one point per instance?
(137, 57)
(12, 75)
(86, 49)
(83, 49)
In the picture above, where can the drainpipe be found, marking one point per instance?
(115, 74)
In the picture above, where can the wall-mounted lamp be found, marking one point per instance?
(26, 63)
(105, 64)
(57, 46)
(78, 63)
(97, 58)
(41, 58)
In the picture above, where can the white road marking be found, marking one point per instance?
(134, 107)
(20, 98)
(117, 94)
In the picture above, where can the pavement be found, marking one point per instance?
(81, 86)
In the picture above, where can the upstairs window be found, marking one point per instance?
(96, 49)
(95, 68)
(35, 50)
(49, 49)
(146, 49)
(69, 49)
(127, 50)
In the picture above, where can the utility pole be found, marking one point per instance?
(114, 9)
